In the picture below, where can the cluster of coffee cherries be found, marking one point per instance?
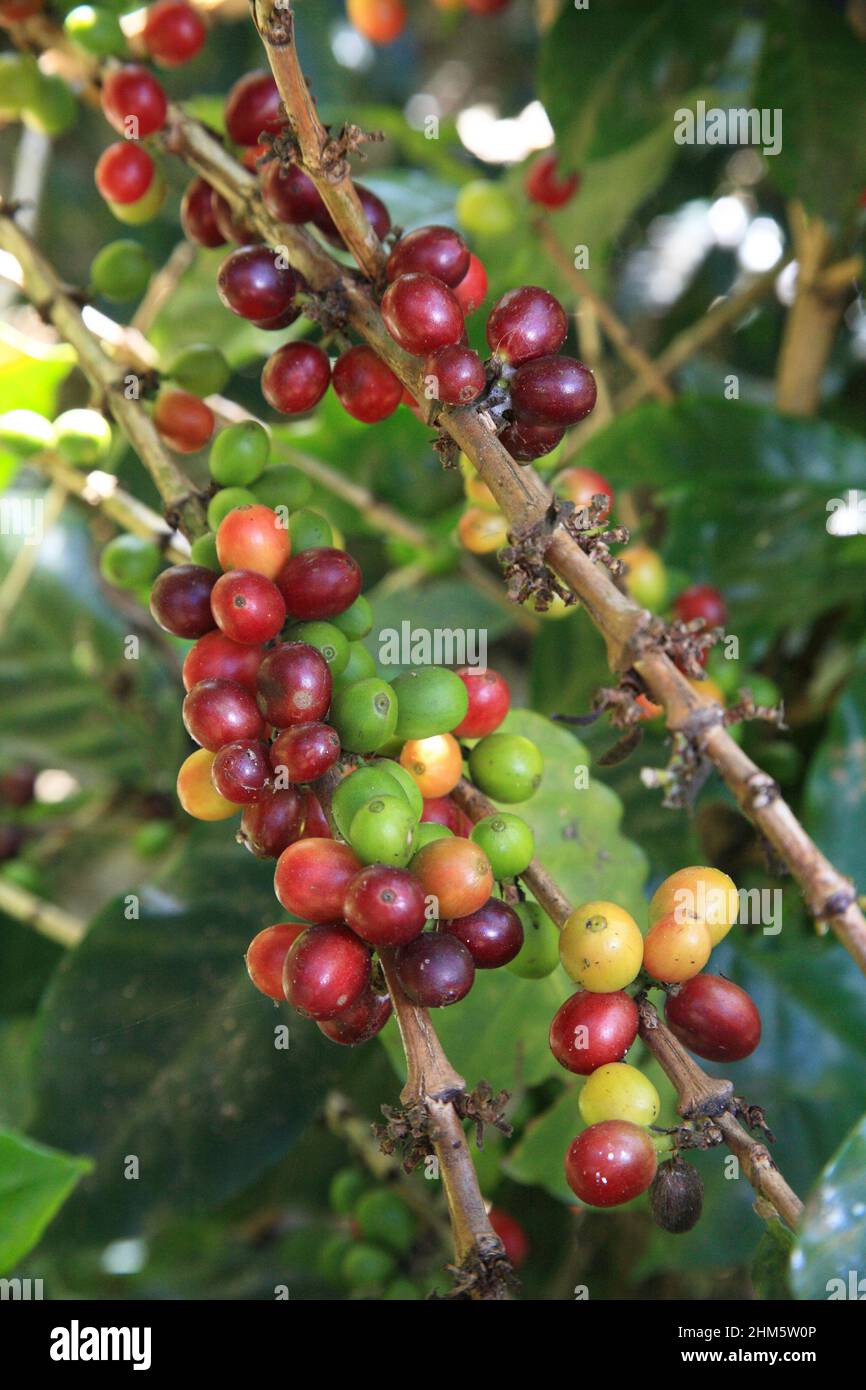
(601, 947)
(383, 21)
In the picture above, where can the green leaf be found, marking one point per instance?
(829, 1256)
(444, 606)
(538, 1158)
(834, 797)
(770, 1265)
(34, 1184)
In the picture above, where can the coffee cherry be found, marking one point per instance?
(527, 442)
(539, 954)
(383, 1216)
(486, 209)
(197, 215)
(180, 600)
(617, 1091)
(294, 685)
(83, 437)
(13, 11)
(252, 107)
(360, 1022)
(217, 712)
(319, 583)
(310, 530)
(592, 1030)
(437, 251)
(359, 667)
(580, 485)
(526, 323)
(201, 369)
(183, 421)
(552, 391)
(241, 771)
(506, 767)
(380, 21)
(385, 905)
(425, 835)
(289, 194)
(94, 29)
(479, 493)
(431, 700)
(17, 785)
(714, 1018)
(493, 934)
(489, 699)
(266, 956)
(129, 562)
(231, 228)
(253, 285)
(228, 499)
(509, 1230)
(296, 377)
(421, 314)
(365, 715)
(676, 948)
(327, 639)
(124, 172)
(173, 32)
(507, 841)
(405, 782)
(482, 532)
(216, 656)
(471, 292)
(677, 1196)
(544, 183)
(248, 607)
(121, 270)
(382, 831)
(702, 601)
(327, 969)
(358, 788)
(435, 764)
(601, 947)
(133, 101)
(253, 538)
(273, 823)
(610, 1163)
(239, 453)
(486, 6)
(454, 375)
(374, 210)
(196, 792)
(698, 892)
(365, 386)
(316, 825)
(456, 873)
(356, 620)
(435, 969)
(304, 753)
(312, 878)
(281, 485)
(441, 810)
(645, 576)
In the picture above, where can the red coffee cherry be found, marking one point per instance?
(312, 878)
(493, 934)
(294, 685)
(230, 226)
(437, 251)
(366, 388)
(316, 825)
(183, 421)
(253, 538)
(360, 1022)
(580, 485)
(380, 21)
(545, 184)
(374, 210)
(456, 374)
(485, 6)
(216, 655)
(180, 600)
(489, 700)
(527, 442)
(173, 32)
(552, 391)
(133, 101)
(273, 823)
(306, 752)
(248, 607)
(435, 970)
(253, 285)
(441, 810)
(421, 314)
(253, 106)
(197, 215)
(714, 1018)
(702, 601)
(217, 712)
(472, 289)
(266, 956)
(385, 906)
(289, 194)
(296, 377)
(319, 583)
(124, 172)
(241, 771)
(610, 1163)
(525, 323)
(590, 1030)
(327, 969)
(512, 1235)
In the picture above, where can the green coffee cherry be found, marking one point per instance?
(83, 436)
(330, 1259)
(121, 270)
(357, 789)
(346, 1187)
(366, 1266)
(506, 767)
(381, 832)
(406, 781)
(539, 954)
(52, 109)
(19, 76)
(401, 1291)
(359, 666)
(203, 551)
(309, 530)
(239, 454)
(283, 486)
(96, 30)
(153, 838)
(385, 1219)
(428, 831)
(204, 371)
(356, 620)
(430, 701)
(486, 209)
(364, 715)
(23, 433)
(326, 638)
(129, 561)
(507, 841)
(224, 502)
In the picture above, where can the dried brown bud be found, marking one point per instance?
(677, 1196)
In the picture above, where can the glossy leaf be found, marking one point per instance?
(34, 1183)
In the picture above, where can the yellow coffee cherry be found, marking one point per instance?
(479, 493)
(482, 532)
(618, 1091)
(601, 947)
(702, 892)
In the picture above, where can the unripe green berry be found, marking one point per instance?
(327, 639)
(309, 530)
(129, 561)
(283, 486)
(203, 551)
(121, 270)
(356, 620)
(96, 30)
(83, 436)
(238, 454)
(204, 371)
(224, 502)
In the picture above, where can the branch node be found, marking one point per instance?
(484, 1108)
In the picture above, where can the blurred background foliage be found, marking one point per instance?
(147, 1040)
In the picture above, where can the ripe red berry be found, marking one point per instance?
(525, 323)
(290, 194)
(385, 906)
(248, 607)
(173, 32)
(589, 1030)
(493, 934)
(365, 386)
(485, 6)
(546, 185)
(253, 538)
(253, 106)
(215, 655)
(312, 878)
(133, 101)
(180, 600)
(254, 283)
(305, 752)
(421, 314)
(552, 391)
(527, 442)
(217, 712)
(455, 374)
(441, 810)
(266, 956)
(512, 1235)
(124, 172)
(489, 699)
(183, 420)
(702, 601)
(273, 823)
(296, 377)
(294, 685)
(13, 11)
(435, 970)
(361, 1021)
(472, 289)
(580, 485)
(319, 583)
(437, 251)
(380, 21)
(241, 771)
(714, 1018)
(374, 210)
(197, 215)
(327, 969)
(316, 825)
(231, 228)
(610, 1163)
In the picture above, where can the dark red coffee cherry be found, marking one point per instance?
(435, 969)
(319, 583)
(180, 600)
(610, 1163)
(441, 810)
(294, 685)
(437, 251)
(489, 701)
(173, 32)
(305, 752)
(545, 184)
(273, 823)
(714, 1018)
(525, 323)
(590, 1030)
(252, 283)
(124, 172)
(197, 215)
(365, 386)
(184, 421)
(421, 314)
(316, 825)
(472, 290)
(217, 655)
(385, 906)
(241, 771)
(248, 607)
(296, 377)
(702, 601)
(374, 210)
(230, 225)
(527, 442)
(252, 107)
(17, 785)
(552, 391)
(312, 877)
(289, 194)
(361, 1021)
(455, 374)
(326, 971)
(12, 838)
(266, 956)
(218, 712)
(493, 934)
(133, 101)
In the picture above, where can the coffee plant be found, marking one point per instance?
(343, 341)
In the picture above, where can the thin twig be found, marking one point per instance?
(102, 491)
(43, 917)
